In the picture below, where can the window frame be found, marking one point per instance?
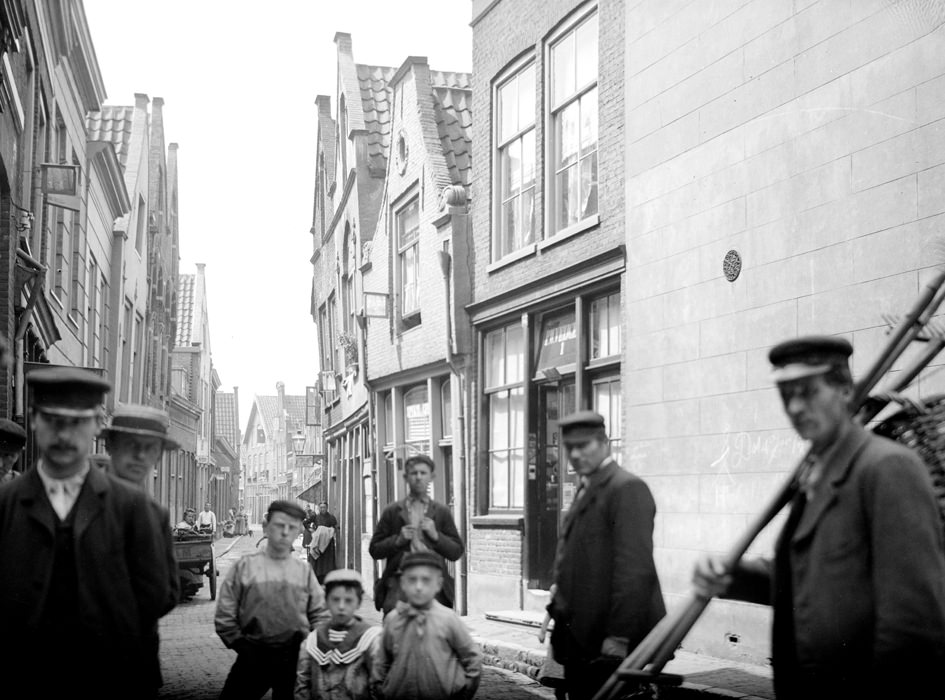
(504, 390)
(549, 119)
(513, 73)
(408, 318)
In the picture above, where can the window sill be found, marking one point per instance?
(603, 363)
(572, 230)
(505, 522)
(511, 258)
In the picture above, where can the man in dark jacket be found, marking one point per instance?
(415, 524)
(81, 567)
(858, 576)
(136, 438)
(607, 595)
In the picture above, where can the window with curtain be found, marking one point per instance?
(408, 247)
(573, 123)
(504, 388)
(515, 143)
(607, 402)
(605, 326)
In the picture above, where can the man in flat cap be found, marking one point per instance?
(12, 440)
(269, 602)
(81, 569)
(857, 581)
(135, 439)
(607, 594)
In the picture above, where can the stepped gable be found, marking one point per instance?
(452, 103)
(112, 124)
(376, 103)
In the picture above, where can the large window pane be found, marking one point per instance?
(605, 326)
(499, 486)
(586, 49)
(562, 66)
(495, 358)
(526, 97)
(515, 351)
(499, 421)
(508, 109)
(567, 135)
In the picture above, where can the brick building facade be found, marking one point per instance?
(549, 229)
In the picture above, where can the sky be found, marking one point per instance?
(239, 81)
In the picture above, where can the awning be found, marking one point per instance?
(311, 493)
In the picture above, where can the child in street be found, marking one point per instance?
(426, 651)
(335, 661)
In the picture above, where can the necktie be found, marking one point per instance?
(59, 498)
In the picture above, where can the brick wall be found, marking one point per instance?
(501, 36)
(809, 137)
(495, 551)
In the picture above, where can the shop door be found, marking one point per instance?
(547, 464)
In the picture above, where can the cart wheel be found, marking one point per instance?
(213, 580)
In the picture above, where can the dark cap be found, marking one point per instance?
(67, 391)
(808, 356)
(287, 507)
(421, 559)
(582, 426)
(146, 421)
(12, 436)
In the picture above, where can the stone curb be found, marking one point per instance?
(528, 662)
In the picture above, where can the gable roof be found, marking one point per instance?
(112, 124)
(267, 408)
(376, 105)
(452, 104)
(185, 309)
(227, 417)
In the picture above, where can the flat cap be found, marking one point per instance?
(581, 426)
(808, 356)
(146, 421)
(67, 391)
(421, 559)
(287, 507)
(344, 576)
(12, 436)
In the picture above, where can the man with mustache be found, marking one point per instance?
(857, 581)
(82, 571)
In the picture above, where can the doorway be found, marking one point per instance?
(547, 466)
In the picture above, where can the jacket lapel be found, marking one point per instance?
(89, 503)
(591, 491)
(835, 472)
(34, 502)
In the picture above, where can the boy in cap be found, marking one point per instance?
(607, 593)
(857, 581)
(426, 651)
(268, 603)
(80, 557)
(335, 661)
(135, 439)
(12, 441)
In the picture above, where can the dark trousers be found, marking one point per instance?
(258, 668)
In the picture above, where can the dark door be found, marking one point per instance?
(547, 465)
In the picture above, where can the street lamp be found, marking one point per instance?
(298, 442)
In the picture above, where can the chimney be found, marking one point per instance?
(343, 41)
(280, 390)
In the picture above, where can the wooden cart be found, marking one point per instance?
(195, 559)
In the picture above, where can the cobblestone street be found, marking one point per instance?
(195, 662)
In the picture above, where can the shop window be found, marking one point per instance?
(417, 420)
(605, 327)
(607, 401)
(505, 371)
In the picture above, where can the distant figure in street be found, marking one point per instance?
(336, 660)
(308, 524)
(12, 441)
(415, 524)
(135, 439)
(426, 651)
(857, 581)
(207, 520)
(82, 566)
(268, 603)
(606, 591)
(322, 547)
(189, 522)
